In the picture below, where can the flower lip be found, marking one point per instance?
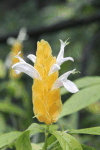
(60, 58)
(63, 81)
(20, 59)
(32, 57)
(28, 69)
(54, 68)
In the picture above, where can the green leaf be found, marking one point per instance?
(2, 124)
(51, 127)
(83, 82)
(67, 141)
(35, 146)
(6, 106)
(2, 69)
(51, 141)
(3, 85)
(23, 141)
(41, 144)
(8, 138)
(87, 147)
(93, 130)
(81, 100)
(35, 128)
(14, 87)
(56, 146)
(94, 108)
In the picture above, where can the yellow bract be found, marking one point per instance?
(17, 47)
(47, 103)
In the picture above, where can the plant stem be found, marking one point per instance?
(46, 137)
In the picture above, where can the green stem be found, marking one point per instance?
(46, 137)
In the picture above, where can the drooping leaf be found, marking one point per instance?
(85, 147)
(23, 141)
(83, 82)
(35, 146)
(81, 100)
(8, 138)
(67, 141)
(93, 130)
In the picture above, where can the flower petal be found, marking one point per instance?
(22, 35)
(28, 69)
(20, 59)
(61, 61)
(60, 57)
(61, 53)
(17, 72)
(70, 86)
(11, 41)
(32, 57)
(56, 85)
(54, 68)
(63, 78)
(65, 75)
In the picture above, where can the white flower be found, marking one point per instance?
(20, 38)
(22, 66)
(60, 58)
(63, 81)
(32, 57)
(11, 41)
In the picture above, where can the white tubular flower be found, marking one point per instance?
(32, 57)
(22, 66)
(60, 58)
(21, 37)
(63, 81)
(54, 68)
(20, 59)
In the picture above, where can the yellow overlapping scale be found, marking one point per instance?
(47, 102)
(53, 97)
(37, 89)
(51, 79)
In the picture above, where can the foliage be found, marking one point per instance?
(58, 139)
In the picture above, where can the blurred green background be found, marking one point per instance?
(52, 20)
